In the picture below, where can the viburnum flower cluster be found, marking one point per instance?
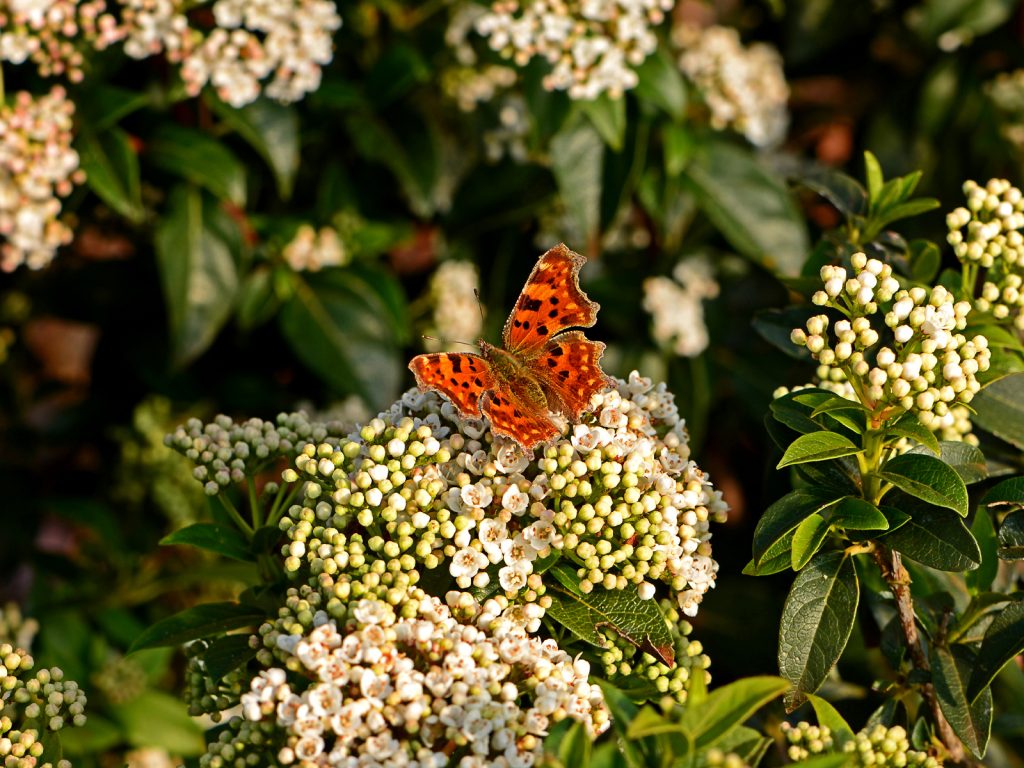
(593, 46)
(150, 27)
(38, 167)
(987, 234)
(453, 293)
(422, 689)
(927, 368)
(677, 306)
(744, 88)
(310, 250)
(34, 704)
(875, 746)
(50, 33)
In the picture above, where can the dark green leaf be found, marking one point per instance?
(256, 299)
(1003, 642)
(729, 707)
(937, 538)
(1010, 491)
(198, 158)
(984, 533)
(925, 260)
(1011, 537)
(816, 622)
(661, 83)
(910, 426)
(807, 540)
(608, 115)
(776, 325)
(198, 272)
(680, 145)
(971, 721)
(227, 654)
(214, 538)
(156, 719)
(272, 129)
(200, 621)
(999, 409)
(637, 621)
(780, 519)
(929, 479)
(818, 446)
(103, 106)
(750, 206)
(111, 167)
(575, 747)
(964, 458)
(577, 161)
(856, 514)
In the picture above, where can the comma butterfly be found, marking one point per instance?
(543, 368)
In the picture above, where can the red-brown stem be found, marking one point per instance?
(891, 566)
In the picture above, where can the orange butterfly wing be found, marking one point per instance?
(511, 416)
(459, 376)
(569, 369)
(550, 302)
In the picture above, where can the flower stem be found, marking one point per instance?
(254, 503)
(243, 526)
(891, 566)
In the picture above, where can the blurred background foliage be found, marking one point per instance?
(236, 253)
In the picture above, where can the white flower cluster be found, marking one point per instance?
(744, 87)
(929, 368)
(453, 294)
(150, 27)
(37, 167)
(49, 33)
(677, 306)
(591, 45)
(311, 250)
(422, 692)
(993, 219)
(509, 136)
(287, 41)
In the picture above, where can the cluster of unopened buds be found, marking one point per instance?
(878, 746)
(424, 687)
(744, 88)
(36, 703)
(592, 47)
(37, 168)
(50, 33)
(929, 367)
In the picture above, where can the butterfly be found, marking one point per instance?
(542, 369)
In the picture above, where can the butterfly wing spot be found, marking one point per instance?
(461, 377)
(510, 416)
(571, 372)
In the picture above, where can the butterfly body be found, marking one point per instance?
(542, 367)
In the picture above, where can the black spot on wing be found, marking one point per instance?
(530, 305)
(456, 363)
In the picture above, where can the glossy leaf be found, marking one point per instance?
(817, 446)
(984, 534)
(829, 717)
(780, 519)
(661, 83)
(970, 720)
(608, 116)
(272, 129)
(856, 514)
(201, 621)
(816, 622)
(750, 206)
(213, 538)
(999, 409)
(577, 161)
(637, 621)
(937, 538)
(929, 479)
(198, 158)
(1011, 537)
(199, 275)
(111, 167)
(807, 540)
(965, 459)
(910, 426)
(730, 706)
(1003, 642)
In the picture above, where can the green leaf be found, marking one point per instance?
(256, 300)
(157, 719)
(97, 735)
(929, 479)
(780, 519)
(937, 538)
(984, 534)
(818, 446)
(201, 621)
(971, 721)
(750, 206)
(111, 168)
(227, 654)
(838, 760)
(1010, 491)
(198, 272)
(966, 460)
(873, 176)
(807, 540)
(1011, 537)
(910, 426)
(650, 722)
(198, 158)
(575, 748)
(999, 409)
(608, 116)
(272, 129)
(102, 106)
(1003, 642)
(637, 621)
(816, 622)
(577, 161)
(905, 211)
(679, 148)
(213, 538)
(856, 514)
(829, 717)
(341, 326)
(730, 706)
(661, 83)
(925, 261)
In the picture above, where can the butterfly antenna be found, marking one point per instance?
(480, 305)
(446, 342)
